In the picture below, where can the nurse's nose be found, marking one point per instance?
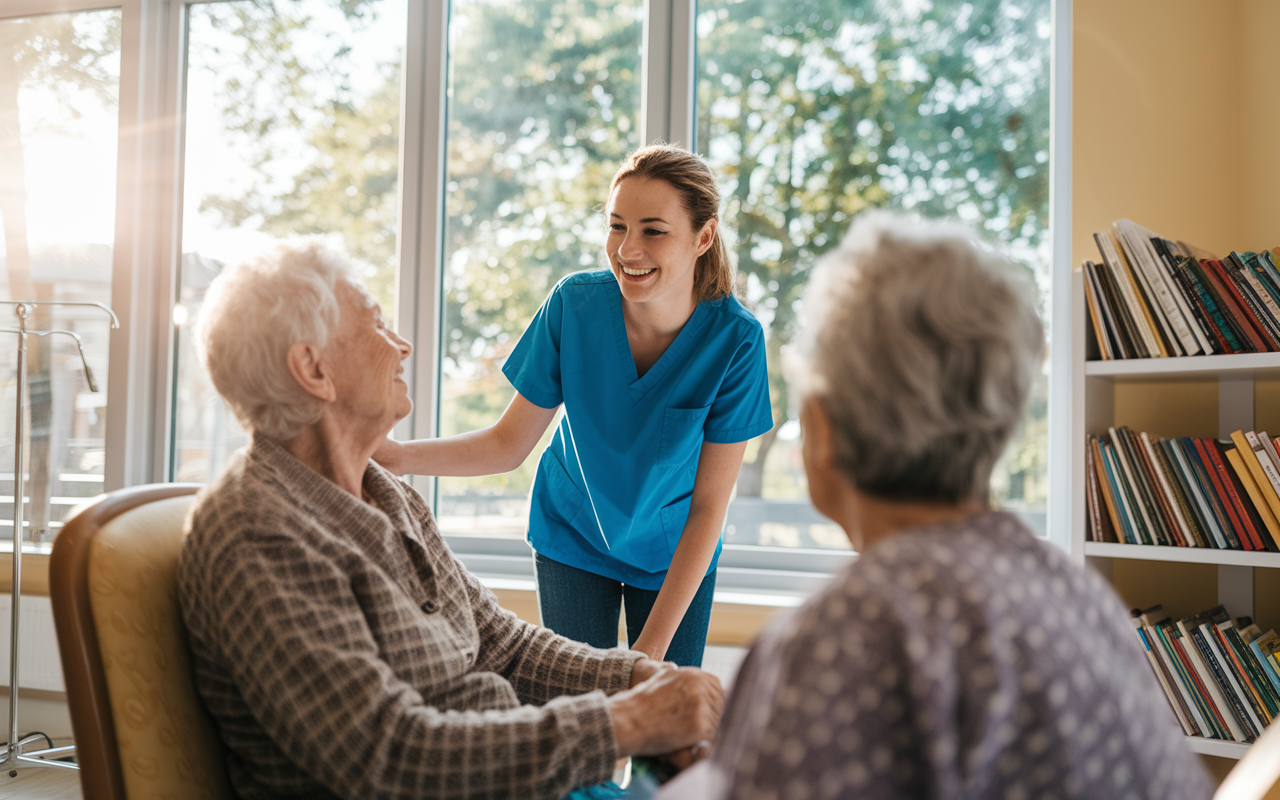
(629, 249)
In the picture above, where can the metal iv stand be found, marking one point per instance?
(14, 758)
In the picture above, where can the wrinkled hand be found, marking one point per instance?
(674, 709)
(392, 456)
(646, 668)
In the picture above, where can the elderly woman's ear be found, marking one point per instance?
(311, 372)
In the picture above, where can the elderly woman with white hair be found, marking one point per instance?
(958, 656)
(340, 648)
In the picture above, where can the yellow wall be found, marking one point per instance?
(1175, 114)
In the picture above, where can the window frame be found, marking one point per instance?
(147, 250)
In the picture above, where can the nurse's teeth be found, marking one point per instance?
(636, 272)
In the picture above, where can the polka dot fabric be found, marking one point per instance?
(966, 660)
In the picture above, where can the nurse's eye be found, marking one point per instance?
(654, 232)
(616, 228)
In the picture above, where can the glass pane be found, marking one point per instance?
(544, 101)
(292, 127)
(812, 110)
(59, 115)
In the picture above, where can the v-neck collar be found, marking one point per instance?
(637, 385)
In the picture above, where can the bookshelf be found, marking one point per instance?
(1095, 385)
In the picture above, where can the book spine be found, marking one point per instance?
(1200, 506)
(1207, 715)
(1162, 478)
(1199, 535)
(1104, 486)
(1269, 532)
(1128, 486)
(1272, 675)
(1253, 301)
(1219, 681)
(1264, 461)
(1244, 526)
(1126, 331)
(1171, 694)
(1248, 690)
(1094, 305)
(1224, 670)
(1146, 491)
(1239, 309)
(1205, 680)
(1231, 314)
(1143, 324)
(1181, 340)
(1249, 664)
(1217, 518)
(1131, 533)
(1217, 343)
(1211, 307)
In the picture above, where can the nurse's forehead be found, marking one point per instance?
(647, 200)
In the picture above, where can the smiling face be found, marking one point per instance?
(653, 248)
(367, 361)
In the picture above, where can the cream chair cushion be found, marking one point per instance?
(168, 745)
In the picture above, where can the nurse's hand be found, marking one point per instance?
(646, 668)
(674, 709)
(392, 455)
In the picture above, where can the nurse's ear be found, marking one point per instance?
(707, 236)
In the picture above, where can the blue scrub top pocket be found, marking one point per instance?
(565, 499)
(681, 436)
(673, 519)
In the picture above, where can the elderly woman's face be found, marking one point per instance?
(367, 359)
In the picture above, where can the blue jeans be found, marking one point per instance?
(584, 606)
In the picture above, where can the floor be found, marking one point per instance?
(42, 783)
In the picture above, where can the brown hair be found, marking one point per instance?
(693, 179)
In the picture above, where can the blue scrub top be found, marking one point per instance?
(612, 490)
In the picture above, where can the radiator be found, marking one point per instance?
(38, 664)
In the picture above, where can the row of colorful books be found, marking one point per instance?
(1222, 678)
(1150, 297)
(1184, 492)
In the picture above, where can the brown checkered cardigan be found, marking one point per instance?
(343, 651)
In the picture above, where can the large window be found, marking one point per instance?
(813, 110)
(292, 128)
(544, 100)
(59, 101)
(246, 120)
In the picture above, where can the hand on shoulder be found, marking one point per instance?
(393, 456)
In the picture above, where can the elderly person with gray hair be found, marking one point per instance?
(959, 656)
(340, 648)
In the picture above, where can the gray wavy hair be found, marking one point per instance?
(923, 345)
(253, 313)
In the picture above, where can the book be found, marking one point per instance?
(1171, 638)
(1199, 505)
(1240, 519)
(1201, 482)
(1253, 296)
(1234, 301)
(1136, 243)
(1162, 675)
(1148, 341)
(1179, 523)
(1093, 300)
(1232, 316)
(1247, 662)
(1264, 472)
(1237, 675)
(1228, 715)
(1270, 530)
(1219, 680)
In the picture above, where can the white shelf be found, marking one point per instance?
(1217, 747)
(1186, 367)
(1190, 555)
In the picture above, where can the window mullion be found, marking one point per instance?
(667, 93)
(1061, 505)
(420, 229)
(142, 269)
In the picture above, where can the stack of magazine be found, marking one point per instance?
(1222, 678)
(1154, 297)
(1187, 492)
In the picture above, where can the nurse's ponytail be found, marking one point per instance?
(713, 275)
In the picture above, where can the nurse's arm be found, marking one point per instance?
(717, 472)
(501, 447)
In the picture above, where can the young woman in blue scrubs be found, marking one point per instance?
(662, 375)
